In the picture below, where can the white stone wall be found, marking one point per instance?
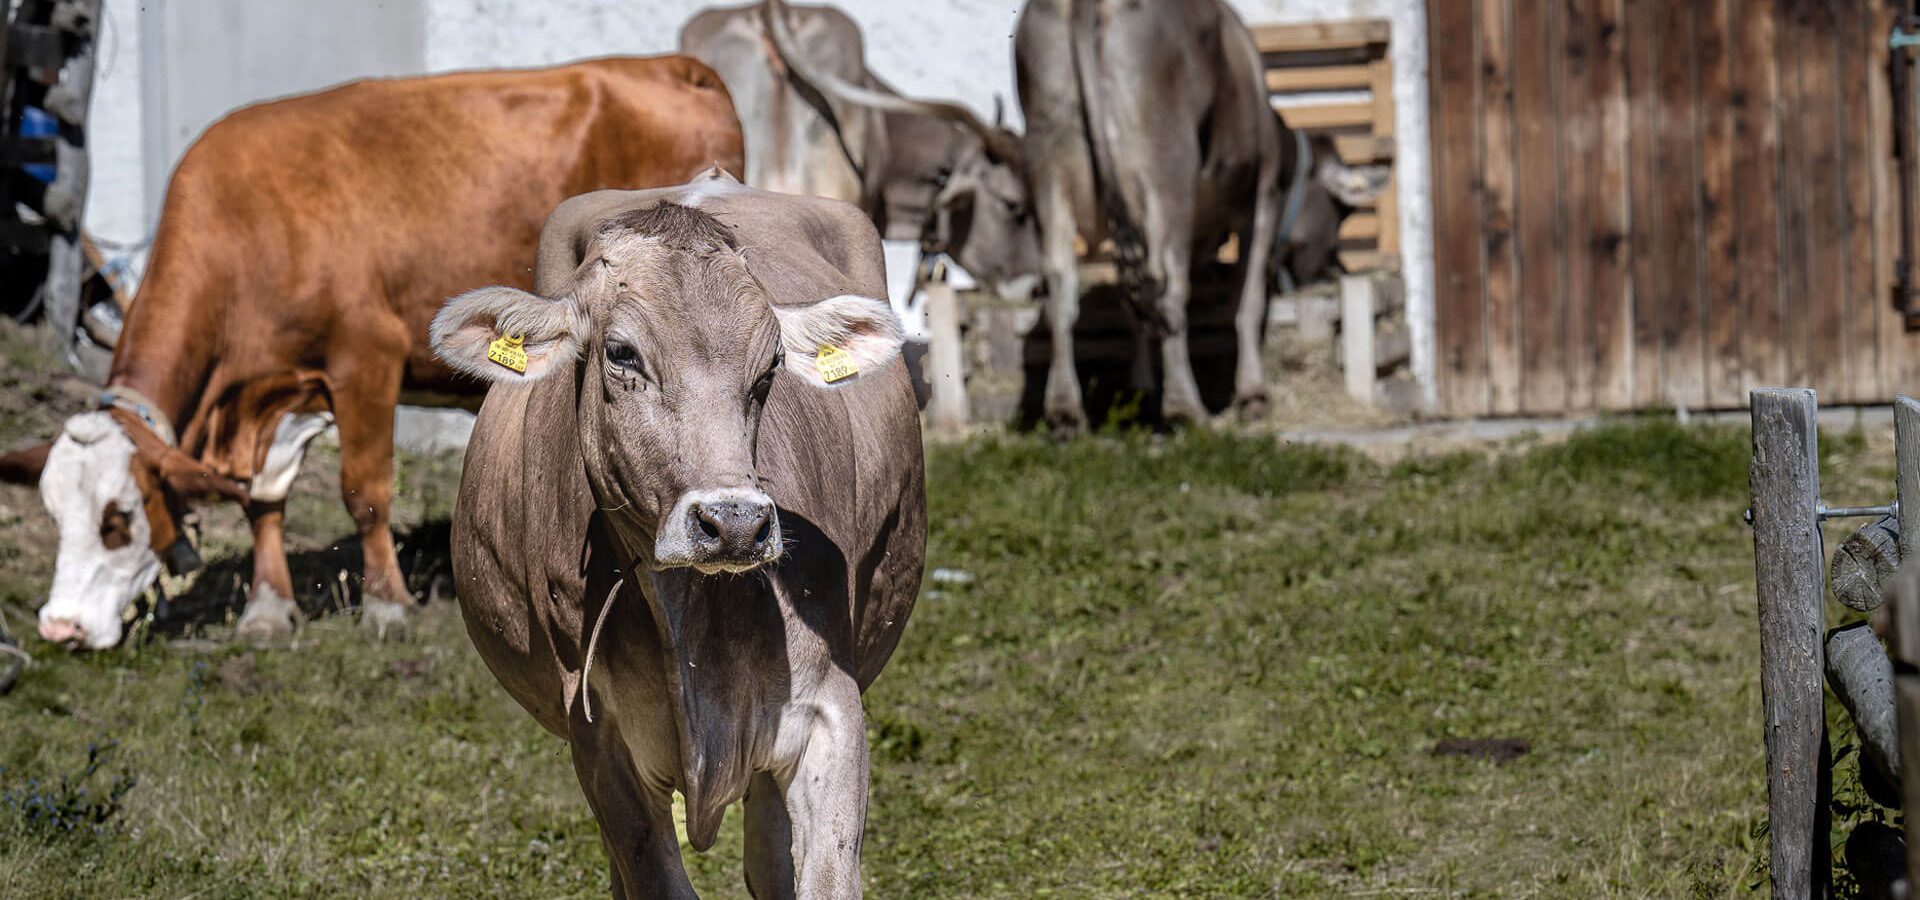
(958, 49)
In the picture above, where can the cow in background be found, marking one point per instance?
(303, 248)
(818, 121)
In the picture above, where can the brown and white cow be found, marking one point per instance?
(304, 246)
(703, 500)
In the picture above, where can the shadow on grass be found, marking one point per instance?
(326, 582)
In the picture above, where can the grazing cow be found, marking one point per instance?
(1149, 122)
(817, 121)
(692, 519)
(304, 247)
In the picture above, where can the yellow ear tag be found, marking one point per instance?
(834, 364)
(509, 350)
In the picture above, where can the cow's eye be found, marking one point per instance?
(115, 531)
(765, 382)
(623, 355)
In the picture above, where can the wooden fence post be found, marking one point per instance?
(946, 375)
(1788, 568)
(1905, 618)
(1356, 335)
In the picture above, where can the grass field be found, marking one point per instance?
(1202, 665)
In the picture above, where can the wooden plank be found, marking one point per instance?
(1823, 191)
(1318, 116)
(1717, 260)
(1895, 350)
(1756, 170)
(1676, 252)
(1357, 149)
(1388, 211)
(1453, 91)
(1579, 114)
(1612, 299)
(1360, 226)
(1906, 693)
(1321, 35)
(1785, 479)
(1359, 260)
(1497, 175)
(1906, 480)
(1796, 329)
(1537, 234)
(1282, 79)
(1863, 320)
(1380, 84)
(1644, 39)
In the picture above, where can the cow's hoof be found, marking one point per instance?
(269, 618)
(1252, 407)
(384, 619)
(1184, 417)
(1065, 428)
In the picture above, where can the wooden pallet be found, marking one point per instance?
(1336, 79)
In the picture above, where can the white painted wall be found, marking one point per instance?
(221, 53)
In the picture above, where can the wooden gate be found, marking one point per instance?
(1649, 203)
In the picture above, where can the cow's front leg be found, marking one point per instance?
(826, 792)
(636, 819)
(271, 613)
(769, 840)
(365, 394)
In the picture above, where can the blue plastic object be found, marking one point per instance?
(35, 122)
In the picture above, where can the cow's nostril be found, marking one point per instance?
(708, 526)
(61, 631)
(766, 530)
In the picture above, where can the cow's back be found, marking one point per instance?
(790, 147)
(338, 221)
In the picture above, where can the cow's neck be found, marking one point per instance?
(167, 360)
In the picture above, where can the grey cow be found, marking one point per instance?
(816, 120)
(1149, 122)
(692, 518)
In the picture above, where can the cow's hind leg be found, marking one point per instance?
(1250, 398)
(1065, 412)
(271, 613)
(769, 841)
(1180, 394)
(365, 393)
(636, 820)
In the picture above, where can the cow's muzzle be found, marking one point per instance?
(730, 530)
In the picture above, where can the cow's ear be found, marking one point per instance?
(832, 342)
(23, 466)
(507, 335)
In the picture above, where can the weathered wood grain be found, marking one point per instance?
(1785, 484)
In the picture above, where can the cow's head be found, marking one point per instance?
(983, 213)
(980, 212)
(677, 349)
(116, 490)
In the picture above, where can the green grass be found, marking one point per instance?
(1197, 666)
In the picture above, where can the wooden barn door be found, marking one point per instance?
(1647, 203)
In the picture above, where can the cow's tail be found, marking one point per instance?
(809, 81)
(1129, 244)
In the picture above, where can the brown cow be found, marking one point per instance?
(703, 500)
(304, 246)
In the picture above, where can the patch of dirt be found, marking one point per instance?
(1500, 750)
